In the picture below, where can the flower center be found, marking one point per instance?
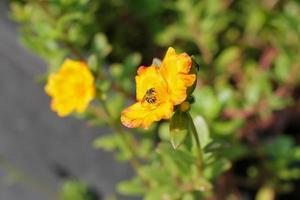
(150, 96)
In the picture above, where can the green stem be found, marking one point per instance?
(200, 162)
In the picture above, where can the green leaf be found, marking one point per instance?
(116, 103)
(156, 174)
(74, 190)
(256, 20)
(202, 130)
(116, 70)
(107, 142)
(227, 57)
(214, 146)
(202, 184)
(176, 162)
(207, 104)
(178, 128)
(103, 85)
(265, 193)
(93, 63)
(282, 67)
(164, 131)
(132, 187)
(280, 147)
(101, 45)
(216, 168)
(188, 196)
(163, 192)
(113, 142)
(131, 63)
(232, 151)
(277, 102)
(145, 148)
(226, 127)
(124, 153)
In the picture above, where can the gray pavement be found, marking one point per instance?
(33, 139)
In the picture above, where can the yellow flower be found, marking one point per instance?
(159, 89)
(71, 88)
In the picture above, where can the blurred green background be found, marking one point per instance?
(248, 90)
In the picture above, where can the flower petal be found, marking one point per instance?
(175, 69)
(137, 115)
(71, 88)
(149, 77)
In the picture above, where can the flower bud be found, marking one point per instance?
(185, 106)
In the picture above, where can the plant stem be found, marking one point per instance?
(199, 153)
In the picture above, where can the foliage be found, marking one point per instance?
(74, 190)
(245, 107)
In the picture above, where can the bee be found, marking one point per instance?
(150, 96)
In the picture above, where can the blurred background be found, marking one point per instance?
(38, 150)
(248, 91)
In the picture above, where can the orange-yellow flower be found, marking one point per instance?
(159, 89)
(71, 88)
